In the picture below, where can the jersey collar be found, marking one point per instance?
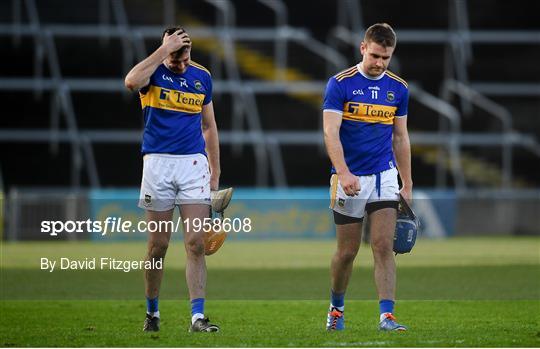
(177, 74)
(359, 68)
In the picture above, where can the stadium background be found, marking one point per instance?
(70, 135)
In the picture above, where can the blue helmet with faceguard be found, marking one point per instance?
(407, 226)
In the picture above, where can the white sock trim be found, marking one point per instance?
(153, 314)
(338, 308)
(196, 317)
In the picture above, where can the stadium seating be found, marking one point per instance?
(100, 61)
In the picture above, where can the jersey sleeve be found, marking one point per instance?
(403, 106)
(151, 81)
(334, 98)
(208, 95)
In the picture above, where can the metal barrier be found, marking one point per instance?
(27, 208)
(267, 145)
(268, 155)
(458, 39)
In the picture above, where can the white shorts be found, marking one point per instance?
(170, 180)
(372, 189)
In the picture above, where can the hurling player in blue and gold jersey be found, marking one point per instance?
(365, 132)
(181, 162)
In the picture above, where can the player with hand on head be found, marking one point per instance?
(181, 162)
(366, 137)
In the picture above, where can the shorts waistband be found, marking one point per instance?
(171, 156)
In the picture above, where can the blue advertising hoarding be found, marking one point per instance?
(272, 213)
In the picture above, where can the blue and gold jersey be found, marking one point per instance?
(368, 107)
(172, 105)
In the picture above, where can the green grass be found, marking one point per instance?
(287, 254)
(438, 283)
(269, 324)
(465, 292)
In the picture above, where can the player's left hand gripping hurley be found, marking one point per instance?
(407, 226)
(214, 239)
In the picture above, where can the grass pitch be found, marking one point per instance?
(269, 324)
(459, 292)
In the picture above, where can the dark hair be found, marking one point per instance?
(172, 30)
(382, 34)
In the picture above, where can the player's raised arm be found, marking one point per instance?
(331, 125)
(402, 151)
(210, 134)
(139, 76)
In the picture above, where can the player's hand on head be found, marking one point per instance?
(186, 40)
(350, 183)
(176, 41)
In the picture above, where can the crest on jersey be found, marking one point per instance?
(198, 85)
(390, 96)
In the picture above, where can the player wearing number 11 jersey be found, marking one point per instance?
(365, 131)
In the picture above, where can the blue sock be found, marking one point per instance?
(197, 306)
(151, 305)
(338, 299)
(386, 306)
